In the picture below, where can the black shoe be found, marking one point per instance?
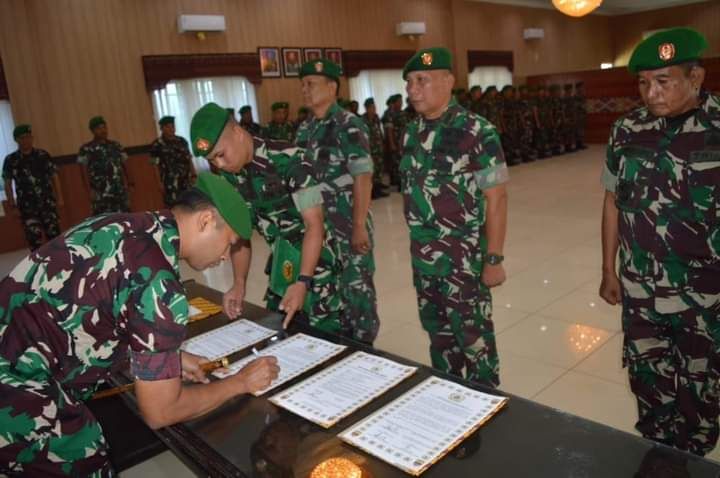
(378, 193)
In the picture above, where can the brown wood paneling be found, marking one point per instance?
(160, 69)
(358, 60)
(477, 58)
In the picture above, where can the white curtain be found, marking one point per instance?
(486, 76)
(380, 84)
(182, 98)
(7, 143)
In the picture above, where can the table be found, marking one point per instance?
(250, 437)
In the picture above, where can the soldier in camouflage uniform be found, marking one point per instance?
(279, 128)
(338, 147)
(476, 103)
(510, 119)
(394, 121)
(662, 210)
(453, 175)
(285, 203)
(36, 184)
(377, 142)
(525, 111)
(302, 115)
(247, 121)
(580, 115)
(569, 128)
(491, 107)
(543, 125)
(171, 155)
(104, 170)
(556, 131)
(107, 291)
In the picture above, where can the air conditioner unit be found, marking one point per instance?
(533, 33)
(410, 28)
(201, 23)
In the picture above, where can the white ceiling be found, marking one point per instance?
(608, 7)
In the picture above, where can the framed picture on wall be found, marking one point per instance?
(269, 62)
(312, 54)
(292, 61)
(334, 55)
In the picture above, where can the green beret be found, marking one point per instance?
(322, 67)
(21, 129)
(474, 89)
(368, 102)
(508, 87)
(429, 59)
(490, 89)
(666, 48)
(245, 109)
(229, 203)
(206, 127)
(95, 121)
(166, 120)
(278, 105)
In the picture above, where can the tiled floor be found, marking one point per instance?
(559, 344)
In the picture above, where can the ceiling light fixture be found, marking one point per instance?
(576, 8)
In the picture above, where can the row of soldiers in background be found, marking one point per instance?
(279, 128)
(37, 188)
(534, 122)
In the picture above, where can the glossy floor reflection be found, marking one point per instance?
(559, 343)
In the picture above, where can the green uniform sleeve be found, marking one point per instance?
(489, 157)
(355, 143)
(612, 164)
(306, 192)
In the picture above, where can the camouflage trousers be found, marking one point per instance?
(377, 168)
(104, 204)
(323, 308)
(673, 361)
(456, 312)
(46, 432)
(39, 222)
(541, 140)
(358, 292)
(392, 167)
(173, 187)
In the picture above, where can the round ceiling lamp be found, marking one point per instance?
(576, 8)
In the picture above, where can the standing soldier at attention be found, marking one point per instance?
(510, 120)
(393, 135)
(279, 128)
(453, 174)
(491, 107)
(476, 94)
(302, 115)
(543, 124)
(104, 170)
(36, 186)
(171, 155)
(662, 211)
(247, 121)
(337, 145)
(557, 139)
(372, 120)
(580, 115)
(526, 121)
(569, 115)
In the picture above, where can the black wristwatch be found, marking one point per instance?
(307, 280)
(494, 259)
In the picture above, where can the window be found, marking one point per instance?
(486, 76)
(379, 84)
(182, 98)
(7, 143)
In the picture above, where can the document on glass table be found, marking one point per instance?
(421, 426)
(295, 355)
(336, 392)
(228, 339)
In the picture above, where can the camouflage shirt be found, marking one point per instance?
(665, 173)
(253, 128)
(279, 131)
(278, 185)
(173, 159)
(32, 174)
(445, 166)
(104, 164)
(375, 134)
(338, 148)
(108, 288)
